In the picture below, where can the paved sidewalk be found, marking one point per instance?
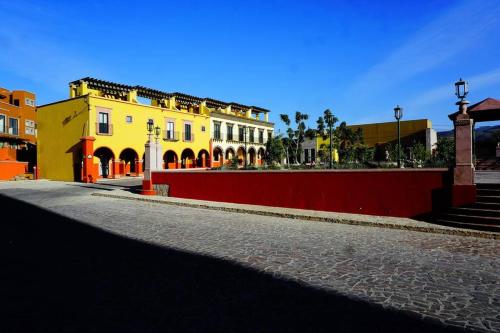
(451, 279)
(303, 214)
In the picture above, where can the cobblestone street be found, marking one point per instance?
(453, 279)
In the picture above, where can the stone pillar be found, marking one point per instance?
(159, 156)
(138, 167)
(116, 169)
(150, 160)
(88, 173)
(211, 150)
(123, 171)
(464, 189)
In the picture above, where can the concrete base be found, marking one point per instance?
(463, 195)
(147, 188)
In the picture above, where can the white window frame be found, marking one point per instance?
(4, 123)
(11, 127)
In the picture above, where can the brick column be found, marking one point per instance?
(88, 172)
(464, 189)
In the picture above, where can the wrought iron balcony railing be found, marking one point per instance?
(170, 135)
(104, 128)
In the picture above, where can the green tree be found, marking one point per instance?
(445, 151)
(295, 136)
(325, 128)
(275, 151)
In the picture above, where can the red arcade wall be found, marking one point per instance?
(394, 192)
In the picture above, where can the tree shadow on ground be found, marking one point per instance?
(61, 275)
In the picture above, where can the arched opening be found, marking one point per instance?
(229, 155)
(170, 159)
(218, 158)
(128, 162)
(203, 160)
(251, 156)
(106, 159)
(241, 156)
(261, 153)
(187, 159)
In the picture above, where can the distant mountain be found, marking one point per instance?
(483, 133)
(486, 140)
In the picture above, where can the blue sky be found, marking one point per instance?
(358, 58)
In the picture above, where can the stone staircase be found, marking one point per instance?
(487, 164)
(484, 214)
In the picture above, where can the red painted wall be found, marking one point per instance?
(10, 169)
(404, 193)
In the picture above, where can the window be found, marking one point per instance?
(29, 127)
(128, 119)
(13, 126)
(241, 133)
(217, 135)
(29, 102)
(16, 102)
(306, 155)
(261, 136)
(252, 131)
(269, 134)
(313, 155)
(203, 128)
(170, 130)
(230, 132)
(103, 122)
(2, 123)
(187, 132)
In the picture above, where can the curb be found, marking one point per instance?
(454, 232)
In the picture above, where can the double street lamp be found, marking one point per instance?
(398, 114)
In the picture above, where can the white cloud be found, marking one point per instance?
(441, 39)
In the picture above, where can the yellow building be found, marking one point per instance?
(100, 131)
(375, 134)
(383, 133)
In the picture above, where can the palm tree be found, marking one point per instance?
(329, 120)
(284, 118)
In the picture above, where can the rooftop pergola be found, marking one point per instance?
(112, 88)
(486, 110)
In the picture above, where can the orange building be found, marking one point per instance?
(17, 133)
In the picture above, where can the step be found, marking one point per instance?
(484, 205)
(488, 186)
(475, 226)
(488, 191)
(473, 211)
(488, 198)
(471, 218)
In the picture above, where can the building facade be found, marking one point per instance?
(239, 131)
(412, 131)
(18, 132)
(100, 131)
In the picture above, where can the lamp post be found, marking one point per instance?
(245, 138)
(157, 133)
(398, 114)
(150, 124)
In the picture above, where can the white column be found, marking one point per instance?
(159, 156)
(149, 159)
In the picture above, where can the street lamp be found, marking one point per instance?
(398, 114)
(157, 133)
(150, 124)
(245, 138)
(461, 89)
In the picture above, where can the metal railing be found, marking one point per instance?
(104, 128)
(188, 136)
(170, 135)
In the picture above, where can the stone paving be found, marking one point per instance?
(454, 279)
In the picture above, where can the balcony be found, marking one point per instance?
(104, 129)
(187, 136)
(170, 135)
